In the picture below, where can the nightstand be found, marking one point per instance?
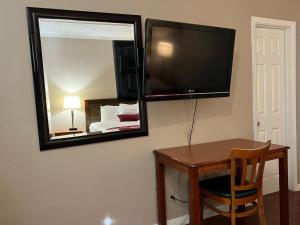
(67, 132)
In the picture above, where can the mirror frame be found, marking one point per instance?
(33, 15)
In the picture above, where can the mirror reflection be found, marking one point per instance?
(90, 77)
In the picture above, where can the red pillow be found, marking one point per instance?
(128, 117)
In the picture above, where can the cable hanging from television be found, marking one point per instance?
(193, 122)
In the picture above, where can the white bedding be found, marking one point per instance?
(105, 127)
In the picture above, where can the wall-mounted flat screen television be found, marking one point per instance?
(186, 60)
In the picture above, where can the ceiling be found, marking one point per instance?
(85, 29)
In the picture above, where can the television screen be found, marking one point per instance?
(187, 61)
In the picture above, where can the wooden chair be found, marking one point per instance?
(241, 187)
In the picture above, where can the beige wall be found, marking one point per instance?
(298, 85)
(82, 185)
(80, 67)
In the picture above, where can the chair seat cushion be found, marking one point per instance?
(221, 186)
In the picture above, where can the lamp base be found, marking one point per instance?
(73, 128)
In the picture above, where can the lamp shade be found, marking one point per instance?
(72, 102)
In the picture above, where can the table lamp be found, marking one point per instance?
(72, 102)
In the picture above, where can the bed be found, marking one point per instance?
(111, 121)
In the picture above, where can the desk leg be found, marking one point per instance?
(284, 191)
(161, 195)
(195, 207)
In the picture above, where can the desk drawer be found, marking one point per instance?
(214, 168)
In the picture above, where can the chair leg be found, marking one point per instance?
(233, 222)
(261, 209)
(201, 212)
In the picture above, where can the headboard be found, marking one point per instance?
(92, 109)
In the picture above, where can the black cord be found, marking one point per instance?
(193, 122)
(177, 199)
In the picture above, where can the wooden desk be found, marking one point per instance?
(205, 158)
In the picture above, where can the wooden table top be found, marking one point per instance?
(213, 152)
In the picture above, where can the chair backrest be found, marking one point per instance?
(251, 164)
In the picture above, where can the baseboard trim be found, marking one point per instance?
(206, 214)
(297, 187)
(178, 220)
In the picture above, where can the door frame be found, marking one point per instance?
(290, 88)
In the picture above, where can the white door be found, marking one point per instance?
(269, 89)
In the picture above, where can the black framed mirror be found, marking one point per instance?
(87, 71)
